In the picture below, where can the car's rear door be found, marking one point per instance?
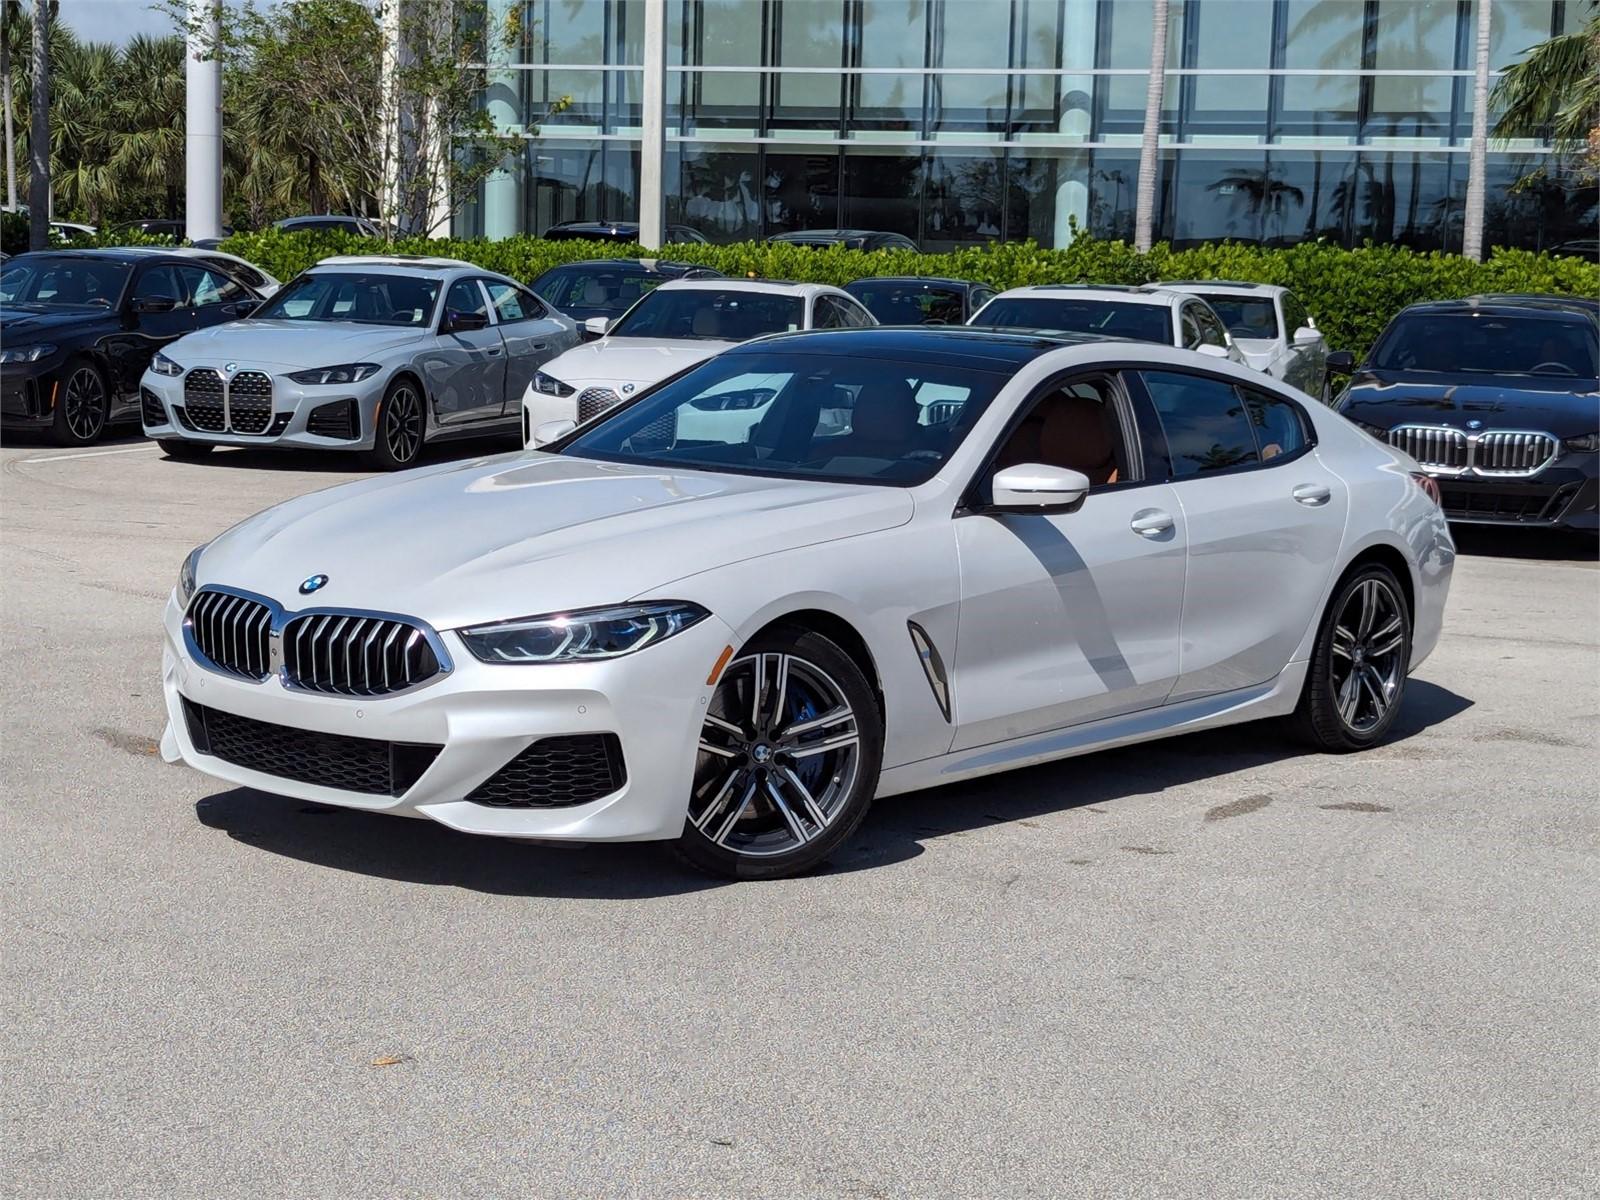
(531, 333)
(1264, 520)
(466, 367)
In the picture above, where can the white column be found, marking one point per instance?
(653, 143)
(203, 124)
(503, 97)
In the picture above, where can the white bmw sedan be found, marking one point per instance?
(737, 644)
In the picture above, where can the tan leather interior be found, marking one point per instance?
(1066, 430)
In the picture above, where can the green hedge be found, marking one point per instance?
(1352, 293)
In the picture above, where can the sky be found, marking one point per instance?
(113, 20)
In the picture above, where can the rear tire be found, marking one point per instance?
(184, 451)
(83, 405)
(402, 425)
(789, 759)
(1357, 678)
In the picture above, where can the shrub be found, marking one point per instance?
(1352, 293)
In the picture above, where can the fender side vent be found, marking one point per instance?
(932, 667)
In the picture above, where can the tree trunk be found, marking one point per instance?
(5, 85)
(1150, 147)
(39, 133)
(1478, 151)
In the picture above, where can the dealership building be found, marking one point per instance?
(960, 122)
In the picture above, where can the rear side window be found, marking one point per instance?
(512, 304)
(1207, 424)
(1279, 428)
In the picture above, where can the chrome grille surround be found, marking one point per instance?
(242, 404)
(334, 652)
(204, 400)
(1493, 454)
(250, 402)
(594, 401)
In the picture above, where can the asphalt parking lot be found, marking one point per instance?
(1213, 966)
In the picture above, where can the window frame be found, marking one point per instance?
(1150, 418)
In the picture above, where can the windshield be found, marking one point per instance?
(606, 292)
(1478, 342)
(1142, 322)
(711, 314)
(799, 416)
(1245, 316)
(351, 296)
(910, 303)
(62, 282)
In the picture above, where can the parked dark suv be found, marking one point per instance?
(1498, 397)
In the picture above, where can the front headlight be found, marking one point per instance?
(1587, 444)
(345, 373)
(549, 385)
(186, 575)
(587, 635)
(22, 354)
(162, 365)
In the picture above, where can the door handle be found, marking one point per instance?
(541, 345)
(494, 351)
(1150, 522)
(1313, 495)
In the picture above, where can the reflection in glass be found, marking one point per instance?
(881, 187)
(1406, 199)
(1233, 196)
(800, 191)
(719, 192)
(1326, 180)
(963, 200)
(808, 35)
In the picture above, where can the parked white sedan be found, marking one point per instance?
(680, 323)
(1271, 328)
(1141, 313)
(737, 644)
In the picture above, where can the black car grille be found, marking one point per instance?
(336, 420)
(348, 764)
(152, 412)
(1531, 505)
(352, 655)
(250, 402)
(556, 772)
(202, 400)
(232, 632)
(594, 401)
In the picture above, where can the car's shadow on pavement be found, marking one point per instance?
(420, 851)
(1546, 545)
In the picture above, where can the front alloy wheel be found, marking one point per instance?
(788, 759)
(1358, 670)
(402, 422)
(82, 406)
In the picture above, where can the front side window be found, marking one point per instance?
(1111, 318)
(1246, 316)
(1073, 426)
(608, 291)
(1211, 330)
(800, 416)
(825, 314)
(1206, 423)
(1189, 328)
(368, 299)
(209, 287)
(1546, 344)
(243, 272)
(48, 281)
(465, 296)
(711, 314)
(161, 284)
(1295, 317)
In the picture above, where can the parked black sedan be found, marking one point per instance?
(621, 232)
(850, 239)
(912, 300)
(608, 287)
(79, 327)
(1498, 398)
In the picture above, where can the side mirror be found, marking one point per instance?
(243, 308)
(1211, 351)
(1341, 362)
(153, 304)
(551, 431)
(456, 321)
(1306, 336)
(1033, 487)
(597, 327)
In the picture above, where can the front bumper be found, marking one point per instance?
(330, 417)
(1564, 495)
(27, 394)
(483, 716)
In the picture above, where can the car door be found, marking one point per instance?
(1071, 616)
(215, 296)
(531, 333)
(1305, 365)
(467, 367)
(1263, 517)
(158, 313)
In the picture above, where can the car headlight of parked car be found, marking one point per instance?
(186, 575)
(345, 373)
(1587, 444)
(549, 385)
(26, 354)
(587, 635)
(162, 365)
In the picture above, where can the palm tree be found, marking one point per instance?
(1554, 92)
(1477, 152)
(1149, 147)
(150, 115)
(84, 87)
(1262, 194)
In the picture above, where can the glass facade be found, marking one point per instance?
(968, 121)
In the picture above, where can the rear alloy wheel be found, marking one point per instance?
(83, 403)
(788, 762)
(1358, 668)
(402, 422)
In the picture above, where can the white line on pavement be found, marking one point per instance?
(90, 454)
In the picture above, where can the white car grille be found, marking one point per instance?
(594, 401)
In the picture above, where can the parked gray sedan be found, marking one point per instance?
(378, 354)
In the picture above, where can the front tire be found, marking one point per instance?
(83, 405)
(789, 758)
(401, 427)
(1358, 665)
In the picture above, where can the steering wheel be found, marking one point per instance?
(1561, 368)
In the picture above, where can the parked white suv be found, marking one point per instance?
(1271, 328)
(1142, 314)
(680, 323)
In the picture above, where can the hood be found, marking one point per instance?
(295, 344)
(1557, 404)
(29, 323)
(521, 534)
(640, 361)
